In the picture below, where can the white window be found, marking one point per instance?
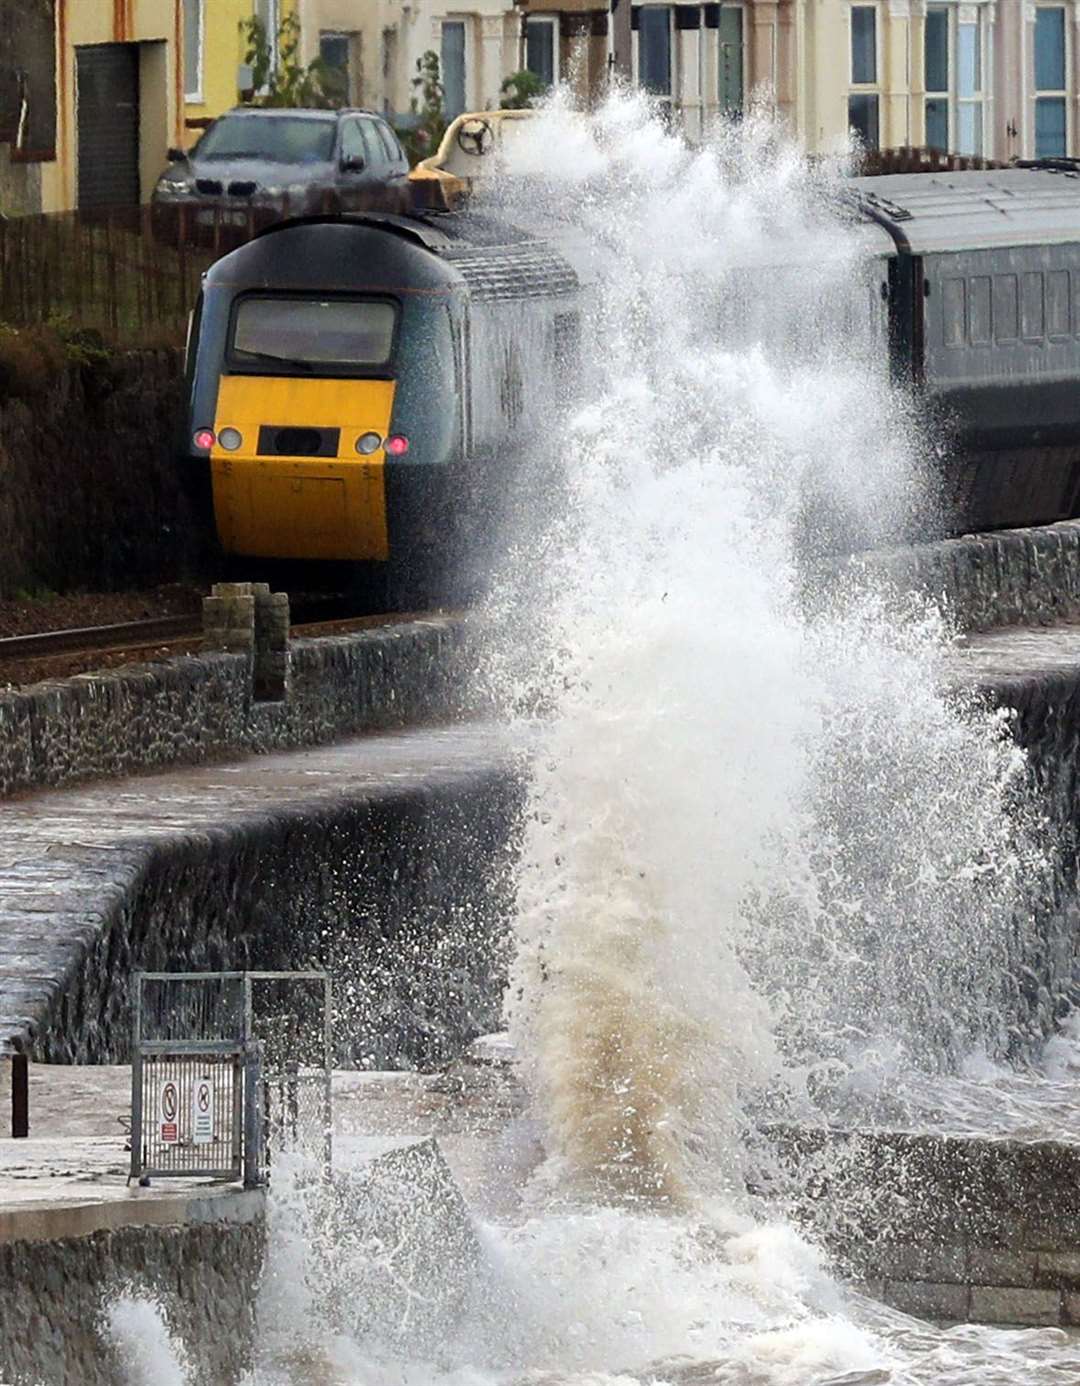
(955, 64)
(452, 67)
(730, 25)
(194, 28)
(542, 47)
(1052, 62)
(864, 105)
(654, 48)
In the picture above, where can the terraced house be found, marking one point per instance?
(90, 100)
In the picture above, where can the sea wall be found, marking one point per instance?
(946, 1227)
(197, 1259)
(190, 709)
(402, 893)
(1006, 578)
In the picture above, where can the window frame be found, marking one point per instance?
(672, 76)
(198, 96)
(1058, 94)
(466, 58)
(869, 91)
(551, 23)
(950, 94)
(722, 47)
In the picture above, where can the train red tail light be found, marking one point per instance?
(397, 445)
(204, 438)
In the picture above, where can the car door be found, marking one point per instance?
(356, 176)
(397, 164)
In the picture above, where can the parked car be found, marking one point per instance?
(255, 165)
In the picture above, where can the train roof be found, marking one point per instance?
(974, 210)
(380, 250)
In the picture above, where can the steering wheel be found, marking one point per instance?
(475, 137)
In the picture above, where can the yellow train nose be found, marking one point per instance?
(302, 478)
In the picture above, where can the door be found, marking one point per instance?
(107, 113)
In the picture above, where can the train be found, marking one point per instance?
(359, 387)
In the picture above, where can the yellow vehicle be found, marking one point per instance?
(360, 386)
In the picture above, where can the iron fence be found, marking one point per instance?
(229, 1069)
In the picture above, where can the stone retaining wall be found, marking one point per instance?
(190, 709)
(1011, 577)
(946, 1227)
(56, 1293)
(403, 894)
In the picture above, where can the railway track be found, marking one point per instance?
(155, 632)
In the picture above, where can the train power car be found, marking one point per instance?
(983, 306)
(356, 382)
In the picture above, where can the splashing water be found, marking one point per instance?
(762, 837)
(763, 847)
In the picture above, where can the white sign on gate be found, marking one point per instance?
(168, 1114)
(202, 1112)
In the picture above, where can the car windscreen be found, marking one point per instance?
(337, 332)
(279, 139)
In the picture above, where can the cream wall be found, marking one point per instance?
(154, 24)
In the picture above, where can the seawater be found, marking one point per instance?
(768, 866)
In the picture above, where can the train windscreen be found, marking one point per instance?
(336, 332)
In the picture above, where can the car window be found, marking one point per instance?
(375, 155)
(389, 143)
(282, 139)
(352, 142)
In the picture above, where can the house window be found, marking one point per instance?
(654, 49)
(542, 48)
(193, 49)
(452, 63)
(863, 45)
(1051, 64)
(337, 79)
(731, 61)
(954, 63)
(863, 106)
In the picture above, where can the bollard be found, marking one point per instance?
(20, 1096)
(271, 644)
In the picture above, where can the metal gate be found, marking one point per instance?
(229, 1070)
(108, 121)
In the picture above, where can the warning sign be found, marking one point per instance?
(202, 1112)
(168, 1109)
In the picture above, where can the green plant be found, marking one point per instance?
(521, 90)
(427, 105)
(278, 75)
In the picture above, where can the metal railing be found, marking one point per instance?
(228, 1070)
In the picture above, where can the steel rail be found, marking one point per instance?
(48, 642)
(160, 630)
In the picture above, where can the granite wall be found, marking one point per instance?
(57, 1293)
(402, 893)
(190, 709)
(1010, 577)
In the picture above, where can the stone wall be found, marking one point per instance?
(946, 1227)
(187, 710)
(90, 493)
(56, 1293)
(1011, 577)
(402, 893)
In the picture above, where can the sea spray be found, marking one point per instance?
(762, 836)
